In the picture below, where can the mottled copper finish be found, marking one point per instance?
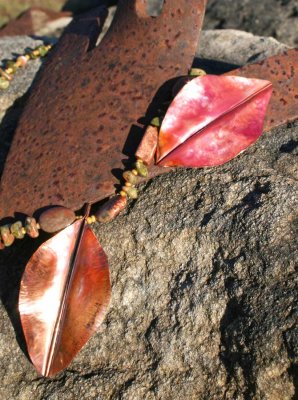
(281, 71)
(212, 120)
(111, 208)
(81, 119)
(147, 147)
(65, 292)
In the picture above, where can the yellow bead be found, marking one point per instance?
(128, 184)
(123, 194)
(135, 172)
(197, 72)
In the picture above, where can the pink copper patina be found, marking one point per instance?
(212, 120)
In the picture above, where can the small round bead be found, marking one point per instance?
(31, 227)
(17, 230)
(128, 184)
(10, 71)
(197, 72)
(21, 61)
(4, 84)
(91, 219)
(135, 172)
(43, 50)
(155, 122)
(130, 177)
(5, 75)
(123, 194)
(6, 236)
(141, 168)
(132, 193)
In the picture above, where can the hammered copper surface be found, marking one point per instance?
(81, 120)
(205, 127)
(65, 292)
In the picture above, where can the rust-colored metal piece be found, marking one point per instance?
(64, 296)
(81, 119)
(147, 147)
(32, 22)
(281, 71)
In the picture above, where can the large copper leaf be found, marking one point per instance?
(213, 119)
(65, 292)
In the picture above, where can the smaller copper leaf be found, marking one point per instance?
(212, 120)
(64, 296)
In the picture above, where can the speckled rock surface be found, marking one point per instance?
(277, 18)
(237, 47)
(204, 299)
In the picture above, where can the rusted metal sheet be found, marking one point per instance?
(33, 22)
(82, 118)
(281, 71)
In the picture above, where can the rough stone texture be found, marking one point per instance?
(12, 100)
(277, 18)
(204, 289)
(237, 47)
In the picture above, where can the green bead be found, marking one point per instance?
(141, 168)
(17, 230)
(156, 122)
(12, 65)
(132, 192)
(43, 51)
(4, 84)
(197, 72)
(130, 177)
(7, 237)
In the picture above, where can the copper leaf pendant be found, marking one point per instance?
(212, 120)
(64, 296)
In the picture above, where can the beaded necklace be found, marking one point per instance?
(199, 128)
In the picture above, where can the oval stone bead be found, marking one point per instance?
(31, 227)
(109, 210)
(56, 218)
(6, 236)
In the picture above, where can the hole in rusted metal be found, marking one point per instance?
(154, 7)
(149, 8)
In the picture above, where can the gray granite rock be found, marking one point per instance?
(237, 47)
(204, 289)
(277, 18)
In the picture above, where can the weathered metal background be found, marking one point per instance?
(282, 71)
(81, 120)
